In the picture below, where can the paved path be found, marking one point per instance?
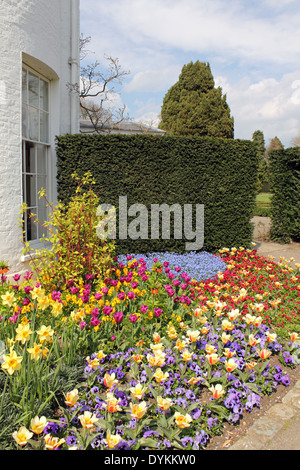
(279, 428)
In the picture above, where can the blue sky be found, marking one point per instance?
(253, 48)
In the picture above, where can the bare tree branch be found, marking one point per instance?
(94, 90)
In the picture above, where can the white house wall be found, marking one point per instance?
(44, 35)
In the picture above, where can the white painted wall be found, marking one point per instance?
(44, 35)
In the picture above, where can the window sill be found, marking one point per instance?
(34, 255)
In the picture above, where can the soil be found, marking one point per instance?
(232, 433)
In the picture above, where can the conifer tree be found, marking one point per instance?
(194, 106)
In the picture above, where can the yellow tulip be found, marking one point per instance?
(212, 359)
(52, 443)
(138, 410)
(22, 436)
(110, 380)
(186, 355)
(230, 365)
(112, 440)
(217, 391)
(264, 353)
(193, 335)
(138, 391)
(164, 403)
(160, 376)
(72, 397)
(88, 419)
(182, 421)
(112, 403)
(37, 425)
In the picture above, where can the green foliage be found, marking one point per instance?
(72, 249)
(193, 106)
(263, 176)
(285, 208)
(219, 173)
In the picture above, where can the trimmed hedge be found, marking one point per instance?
(221, 174)
(285, 205)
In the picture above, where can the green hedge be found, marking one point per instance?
(285, 206)
(221, 174)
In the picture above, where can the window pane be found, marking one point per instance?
(33, 89)
(31, 226)
(44, 94)
(41, 159)
(33, 124)
(44, 134)
(25, 121)
(42, 216)
(29, 158)
(24, 85)
(31, 195)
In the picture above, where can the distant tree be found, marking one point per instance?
(296, 142)
(96, 89)
(263, 167)
(194, 106)
(274, 144)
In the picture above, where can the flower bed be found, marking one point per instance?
(171, 354)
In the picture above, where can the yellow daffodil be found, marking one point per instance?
(57, 308)
(138, 410)
(37, 425)
(22, 436)
(43, 302)
(71, 398)
(182, 421)
(35, 352)
(8, 298)
(12, 362)
(217, 391)
(23, 333)
(45, 333)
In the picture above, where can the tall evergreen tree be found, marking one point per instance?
(194, 106)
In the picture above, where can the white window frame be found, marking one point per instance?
(34, 144)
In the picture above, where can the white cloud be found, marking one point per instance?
(269, 105)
